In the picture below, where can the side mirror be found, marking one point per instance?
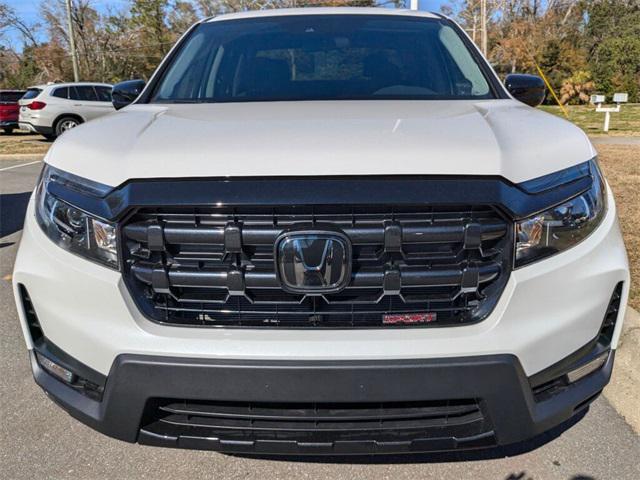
(529, 89)
(124, 93)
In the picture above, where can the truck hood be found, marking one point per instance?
(490, 137)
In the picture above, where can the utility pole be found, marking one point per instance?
(414, 5)
(483, 19)
(72, 44)
(475, 27)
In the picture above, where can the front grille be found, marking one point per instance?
(319, 425)
(216, 266)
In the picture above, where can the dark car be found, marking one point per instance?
(9, 109)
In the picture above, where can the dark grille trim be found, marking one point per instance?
(252, 423)
(459, 252)
(470, 233)
(408, 277)
(320, 412)
(335, 190)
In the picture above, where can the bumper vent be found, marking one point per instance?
(611, 315)
(35, 330)
(216, 267)
(317, 428)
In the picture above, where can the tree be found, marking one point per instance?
(580, 45)
(468, 15)
(149, 19)
(18, 69)
(524, 34)
(613, 40)
(10, 20)
(182, 16)
(577, 88)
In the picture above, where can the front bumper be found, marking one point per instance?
(546, 311)
(507, 410)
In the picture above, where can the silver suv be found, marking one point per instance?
(52, 109)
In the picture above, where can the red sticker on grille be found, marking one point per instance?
(408, 318)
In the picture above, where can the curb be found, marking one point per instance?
(623, 392)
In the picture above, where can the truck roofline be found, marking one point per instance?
(279, 12)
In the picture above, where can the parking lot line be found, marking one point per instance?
(21, 165)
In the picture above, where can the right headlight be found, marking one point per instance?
(71, 228)
(563, 226)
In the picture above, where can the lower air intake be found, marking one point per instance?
(317, 428)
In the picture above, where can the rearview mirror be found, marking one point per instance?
(528, 89)
(124, 93)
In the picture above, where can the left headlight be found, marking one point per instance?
(564, 225)
(71, 228)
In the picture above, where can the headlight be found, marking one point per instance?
(564, 225)
(71, 228)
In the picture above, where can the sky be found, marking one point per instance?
(29, 10)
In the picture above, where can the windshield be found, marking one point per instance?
(322, 57)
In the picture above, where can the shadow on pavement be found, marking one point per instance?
(12, 210)
(439, 457)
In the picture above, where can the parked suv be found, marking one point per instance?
(323, 231)
(9, 109)
(53, 109)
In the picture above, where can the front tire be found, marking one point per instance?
(66, 123)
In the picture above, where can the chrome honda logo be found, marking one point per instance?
(313, 262)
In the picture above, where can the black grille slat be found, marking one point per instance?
(378, 422)
(412, 233)
(216, 267)
(284, 313)
(352, 427)
(410, 277)
(362, 297)
(376, 413)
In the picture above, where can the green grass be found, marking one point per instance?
(624, 123)
(621, 164)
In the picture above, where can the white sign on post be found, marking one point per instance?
(620, 97)
(598, 100)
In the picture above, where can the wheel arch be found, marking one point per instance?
(63, 115)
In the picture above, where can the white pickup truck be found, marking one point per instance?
(323, 231)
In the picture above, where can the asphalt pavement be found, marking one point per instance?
(38, 440)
